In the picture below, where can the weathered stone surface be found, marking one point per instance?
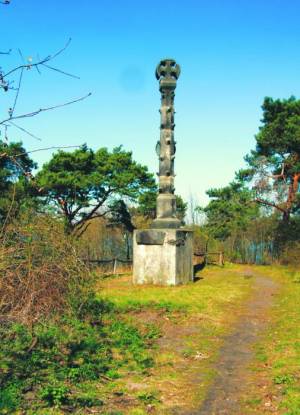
(167, 264)
(150, 237)
(167, 72)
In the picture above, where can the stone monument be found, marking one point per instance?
(163, 254)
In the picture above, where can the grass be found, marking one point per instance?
(193, 321)
(147, 349)
(276, 374)
(188, 324)
(216, 288)
(69, 365)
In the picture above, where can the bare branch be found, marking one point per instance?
(271, 204)
(24, 131)
(78, 235)
(62, 49)
(43, 61)
(21, 55)
(281, 175)
(32, 114)
(10, 87)
(44, 149)
(60, 71)
(6, 53)
(92, 214)
(37, 68)
(17, 94)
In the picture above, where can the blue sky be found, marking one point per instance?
(232, 54)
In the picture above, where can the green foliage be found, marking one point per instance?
(280, 133)
(271, 180)
(181, 208)
(15, 165)
(229, 210)
(147, 204)
(60, 364)
(274, 166)
(283, 379)
(120, 215)
(71, 353)
(148, 397)
(81, 184)
(128, 339)
(55, 395)
(152, 332)
(280, 342)
(66, 339)
(10, 398)
(286, 239)
(142, 304)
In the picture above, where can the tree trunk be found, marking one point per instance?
(292, 193)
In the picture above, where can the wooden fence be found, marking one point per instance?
(110, 266)
(215, 258)
(124, 266)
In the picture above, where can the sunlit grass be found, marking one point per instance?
(213, 303)
(182, 371)
(278, 353)
(216, 288)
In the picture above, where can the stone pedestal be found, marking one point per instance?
(162, 256)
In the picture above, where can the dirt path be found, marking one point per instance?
(232, 379)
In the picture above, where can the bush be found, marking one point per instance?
(57, 338)
(40, 272)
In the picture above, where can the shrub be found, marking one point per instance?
(57, 338)
(40, 272)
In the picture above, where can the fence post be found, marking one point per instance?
(115, 266)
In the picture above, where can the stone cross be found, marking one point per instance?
(167, 72)
(164, 255)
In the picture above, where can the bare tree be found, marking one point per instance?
(8, 78)
(11, 82)
(195, 216)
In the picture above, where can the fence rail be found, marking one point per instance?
(111, 266)
(124, 266)
(212, 257)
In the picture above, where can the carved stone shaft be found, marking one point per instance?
(167, 72)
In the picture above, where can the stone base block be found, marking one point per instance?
(162, 256)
